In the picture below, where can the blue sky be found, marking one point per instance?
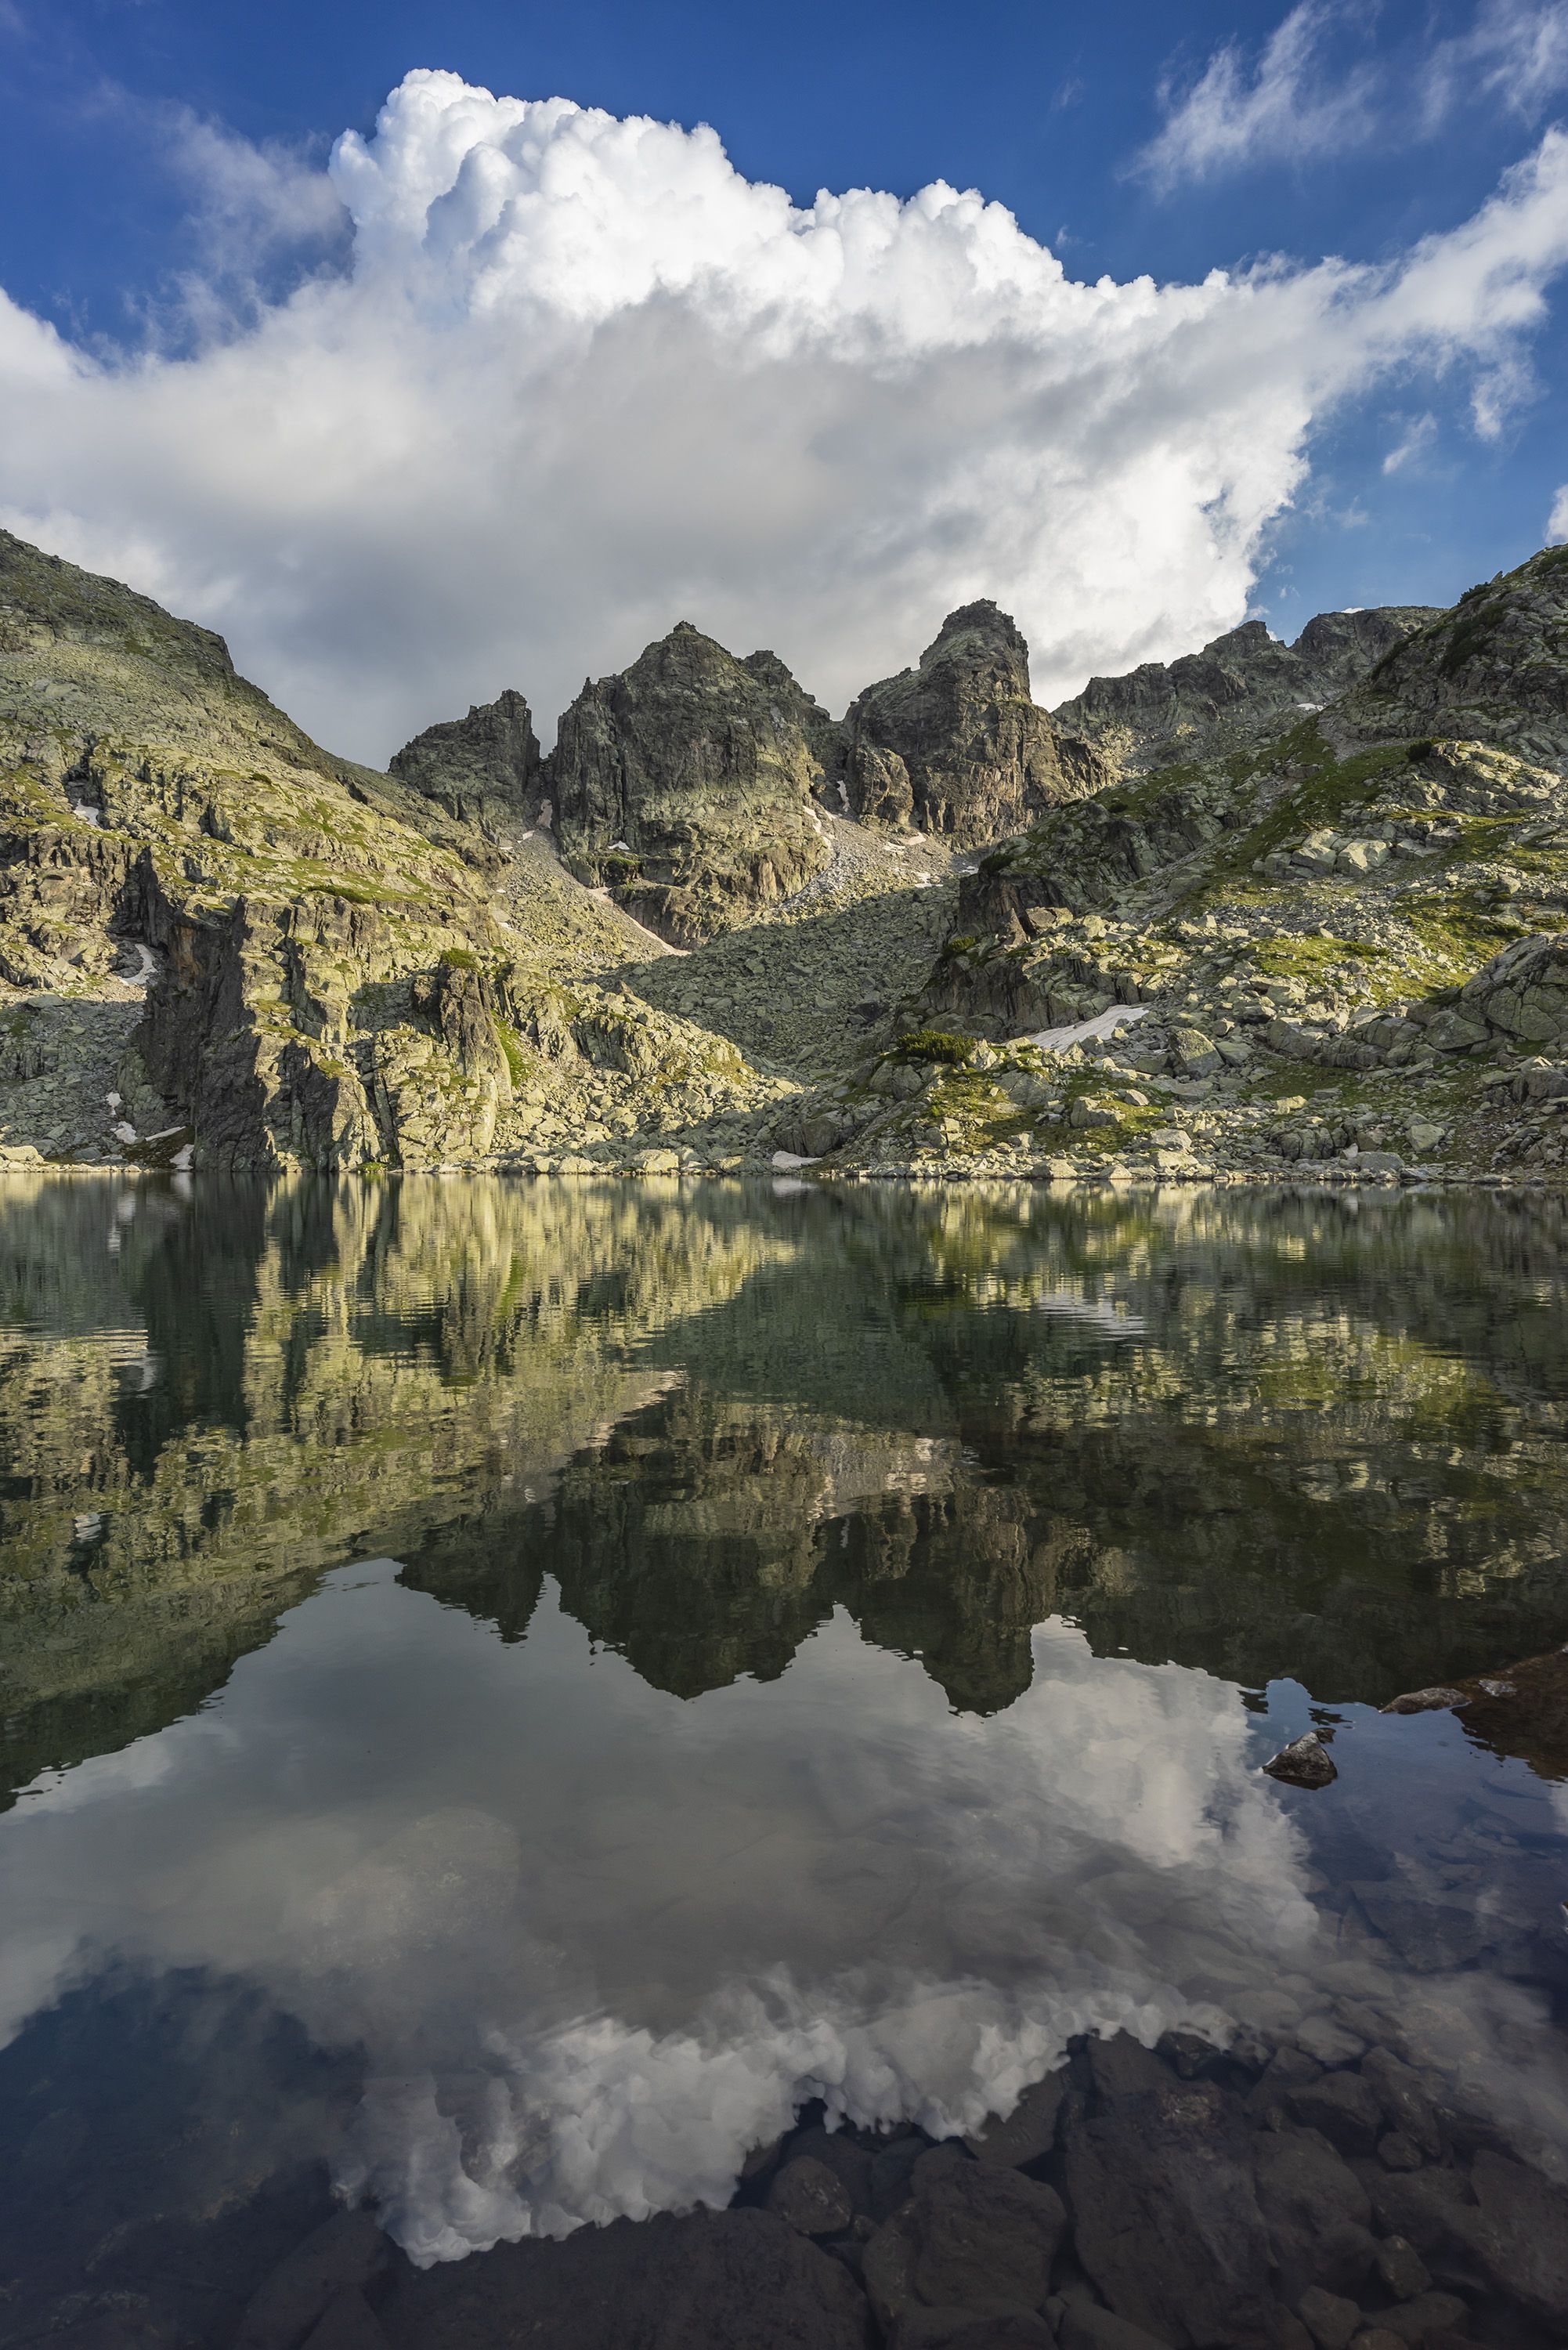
(163, 199)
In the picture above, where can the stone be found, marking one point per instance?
(345, 2253)
(1343, 2107)
(1519, 2234)
(962, 2329)
(708, 768)
(1029, 2132)
(1083, 2328)
(957, 744)
(1424, 1700)
(849, 2162)
(984, 2237)
(1241, 687)
(487, 762)
(1402, 2095)
(890, 2180)
(1419, 2318)
(811, 2198)
(1397, 2152)
(1165, 2220)
(1329, 2042)
(740, 2280)
(1401, 2268)
(1304, 1763)
(1317, 2211)
(1121, 2066)
(347, 2323)
(1331, 2320)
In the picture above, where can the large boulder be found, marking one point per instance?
(1165, 2218)
(973, 2236)
(957, 746)
(685, 785)
(713, 2281)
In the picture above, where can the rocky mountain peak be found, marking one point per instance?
(956, 746)
(685, 785)
(485, 764)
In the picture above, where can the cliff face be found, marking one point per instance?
(218, 940)
(1494, 669)
(686, 786)
(484, 767)
(1240, 687)
(956, 746)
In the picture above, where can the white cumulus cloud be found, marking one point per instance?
(1557, 526)
(576, 378)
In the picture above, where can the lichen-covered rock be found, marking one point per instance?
(1494, 669)
(956, 746)
(486, 765)
(1241, 687)
(685, 785)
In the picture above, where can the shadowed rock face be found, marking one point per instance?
(956, 746)
(1243, 685)
(484, 765)
(686, 785)
(1493, 670)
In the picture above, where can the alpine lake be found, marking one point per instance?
(531, 1704)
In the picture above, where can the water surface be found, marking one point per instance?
(510, 1689)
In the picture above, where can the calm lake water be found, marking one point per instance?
(510, 1689)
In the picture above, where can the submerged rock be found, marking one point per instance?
(714, 2281)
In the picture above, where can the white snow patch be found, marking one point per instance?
(1104, 1024)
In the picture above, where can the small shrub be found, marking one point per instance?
(935, 1044)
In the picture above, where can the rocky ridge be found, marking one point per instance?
(1240, 687)
(1340, 953)
(219, 944)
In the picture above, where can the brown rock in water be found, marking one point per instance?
(685, 785)
(1304, 1763)
(956, 746)
(1424, 1700)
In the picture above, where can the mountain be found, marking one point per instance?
(1241, 687)
(687, 786)
(956, 746)
(483, 766)
(1334, 936)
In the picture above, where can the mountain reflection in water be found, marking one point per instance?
(515, 1687)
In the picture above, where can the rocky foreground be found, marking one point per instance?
(1317, 2185)
(1274, 911)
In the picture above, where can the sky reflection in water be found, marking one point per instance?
(612, 1663)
